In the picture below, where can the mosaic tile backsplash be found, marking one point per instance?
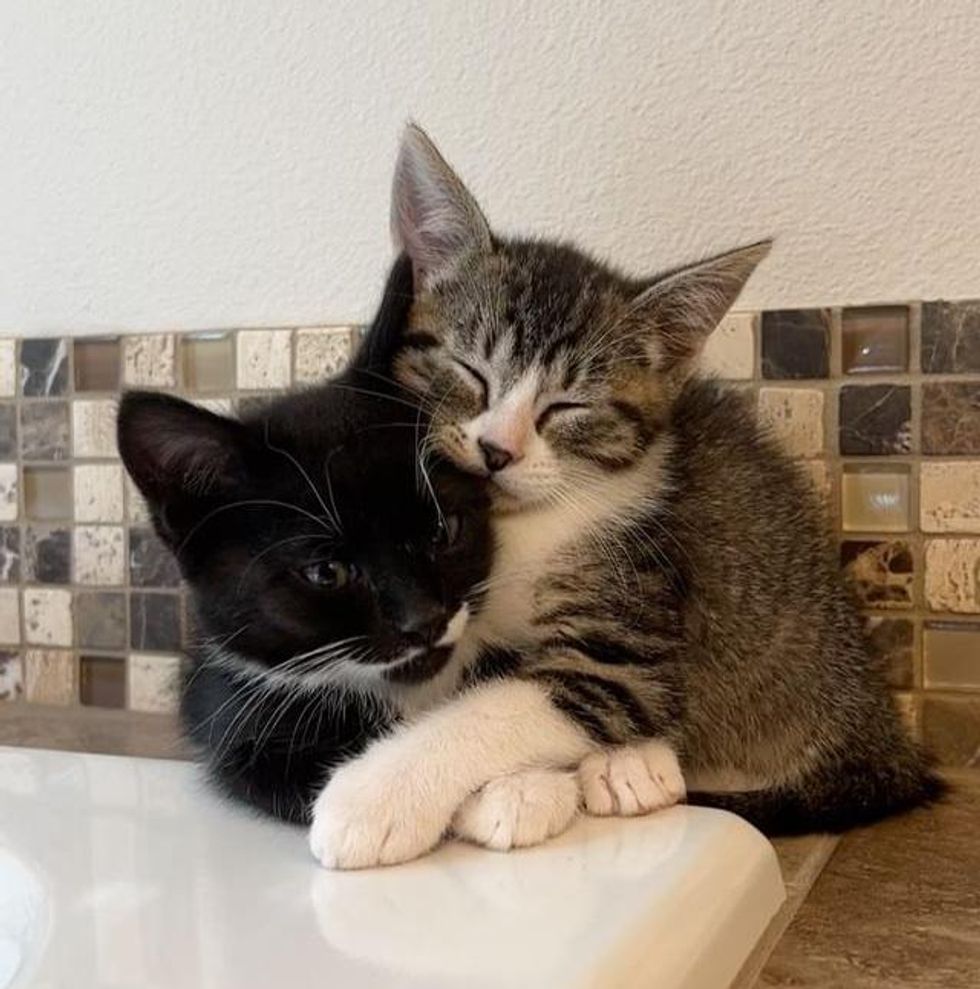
(880, 404)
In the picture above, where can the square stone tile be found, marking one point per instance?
(93, 423)
(892, 643)
(154, 683)
(951, 729)
(951, 418)
(151, 564)
(47, 555)
(9, 486)
(50, 677)
(137, 510)
(47, 493)
(321, 352)
(219, 406)
(44, 430)
(951, 655)
(263, 358)
(953, 575)
(10, 555)
(875, 339)
(9, 616)
(247, 406)
(875, 419)
(8, 431)
(43, 367)
(796, 343)
(795, 417)
(875, 499)
(100, 619)
(102, 681)
(950, 337)
(11, 676)
(98, 493)
(47, 616)
(818, 475)
(949, 496)
(882, 573)
(208, 361)
(154, 622)
(99, 555)
(149, 360)
(8, 367)
(98, 364)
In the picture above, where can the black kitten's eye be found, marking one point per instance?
(556, 408)
(478, 379)
(329, 575)
(448, 530)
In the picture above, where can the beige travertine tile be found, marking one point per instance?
(730, 350)
(220, 406)
(136, 507)
(952, 655)
(99, 555)
(795, 416)
(953, 575)
(93, 424)
(321, 351)
(8, 367)
(98, 493)
(154, 682)
(150, 360)
(818, 475)
(9, 616)
(263, 358)
(49, 676)
(9, 485)
(47, 616)
(950, 496)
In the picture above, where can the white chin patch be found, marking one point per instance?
(454, 630)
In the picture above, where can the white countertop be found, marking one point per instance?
(119, 872)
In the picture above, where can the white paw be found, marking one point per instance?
(634, 779)
(521, 809)
(376, 810)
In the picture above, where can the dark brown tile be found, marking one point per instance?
(102, 681)
(875, 339)
(8, 431)
(97, 364)
(875, 419)
(796, 343)
(154, 622)
(950, 337)
(951, 729)
(43, 367)
(951, 418)
(44, 431)
(10, 556)
(151, 564)
(100, 619)
(47, 555)
(882, 573)
(891, 641)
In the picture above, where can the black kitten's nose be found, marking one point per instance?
(424, 622)
(495, 457)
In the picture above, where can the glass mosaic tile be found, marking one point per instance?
(102, 681)
(875, 499)
(875, 339)
(47, 493)
(208, 361)
(952, 655)
(98, 364)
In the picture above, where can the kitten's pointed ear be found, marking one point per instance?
(384, 336)
(178, 455)
(434, 219)
(684, 306)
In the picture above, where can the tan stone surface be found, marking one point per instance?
(795, 416)
(953, 575)
(949, 496)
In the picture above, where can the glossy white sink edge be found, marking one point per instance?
(157, 883)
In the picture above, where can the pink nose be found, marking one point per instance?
(495, 457)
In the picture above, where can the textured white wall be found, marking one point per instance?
(203, 163)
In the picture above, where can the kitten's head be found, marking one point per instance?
(309, 529)
(541, 367)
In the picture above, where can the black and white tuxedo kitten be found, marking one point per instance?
(331, 572)
(665, 608)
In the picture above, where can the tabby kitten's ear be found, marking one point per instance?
(180, 456)
(683, 307)
(434, 219)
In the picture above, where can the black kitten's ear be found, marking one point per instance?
(682, 308)
(178, 454)
(385, 334)
(434, 219)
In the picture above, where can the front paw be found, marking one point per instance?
(631, 780)
(518, 810)
(376, 812)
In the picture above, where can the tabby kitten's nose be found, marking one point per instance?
(495, 457)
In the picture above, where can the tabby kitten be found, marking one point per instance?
(665, 606)
(330, 578)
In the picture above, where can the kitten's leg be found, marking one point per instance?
(397, 800)
(519, 809)
(631, 779)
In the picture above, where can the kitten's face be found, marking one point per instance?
(531, 373)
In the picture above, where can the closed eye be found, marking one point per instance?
(478, 380)
(555, 409)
